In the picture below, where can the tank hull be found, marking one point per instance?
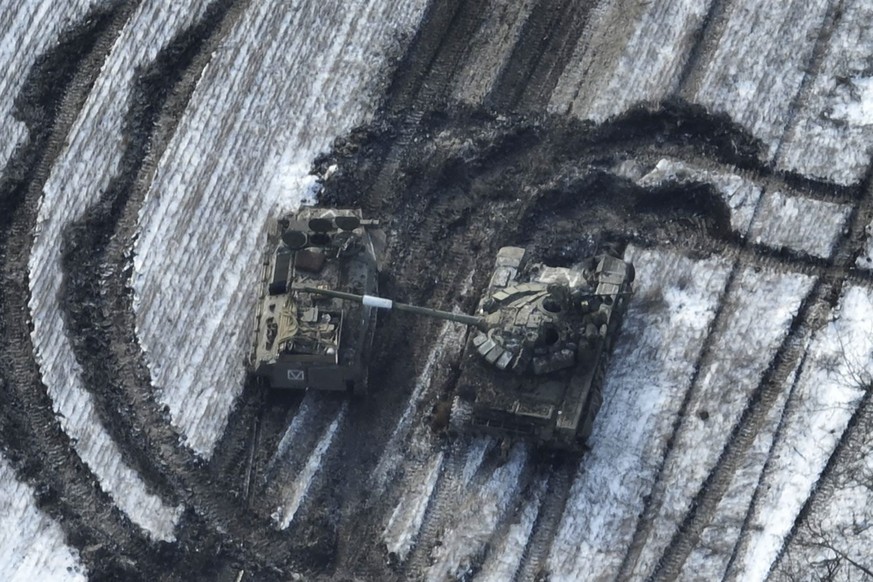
(553, 408)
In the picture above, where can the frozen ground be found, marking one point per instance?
(80, 176)
(734, 437)
(32, 546)
(250, 158)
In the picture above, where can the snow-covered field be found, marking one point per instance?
(800, 224)
(248, 159)
(838, 363)
(750, 330)
(78, 179)
(650, 372)
(830, 134)
(289, 77)
(754, 79)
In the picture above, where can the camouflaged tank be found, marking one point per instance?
(534, 361)
(308, 341)
(535, 368)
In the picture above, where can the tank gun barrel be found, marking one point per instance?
(382, 303)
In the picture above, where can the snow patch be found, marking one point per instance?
(504, 559)
(758, 310)
(834, 128)
(752, 76)
(32, 545)
(294, 495)
(839, 360)
(649, 373)
(478, 516)
(406, 519)
(801, 224)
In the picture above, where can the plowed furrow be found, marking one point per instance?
(40, 451)
(552, 509)
(813, 313)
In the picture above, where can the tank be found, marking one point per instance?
(303, 340)
(535, 357)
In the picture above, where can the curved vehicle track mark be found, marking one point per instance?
(425, 213)
(812, 315)
(91, 301)
(119, 374)
(40, 451)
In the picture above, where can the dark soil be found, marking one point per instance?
(451, 184)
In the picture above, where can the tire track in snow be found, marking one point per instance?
(476, 517)
(743, 537)
(458, 470)
(546, 45)
(548, 518)
(508, 548)
(812, 314)
(811, 69)
(292, 498)
(404, 525)
(50, 102)
(147, 423)
(655, 498)
(449, 342)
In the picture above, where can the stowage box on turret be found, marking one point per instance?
(303, 340)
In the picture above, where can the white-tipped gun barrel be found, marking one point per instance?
(382, 303)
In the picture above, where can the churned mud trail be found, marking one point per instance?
(434, 203)
(813, 313)
(424, 76)
(547, 42)
(40, 451)
(100, 310)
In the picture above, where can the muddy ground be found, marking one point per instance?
(450, 183)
